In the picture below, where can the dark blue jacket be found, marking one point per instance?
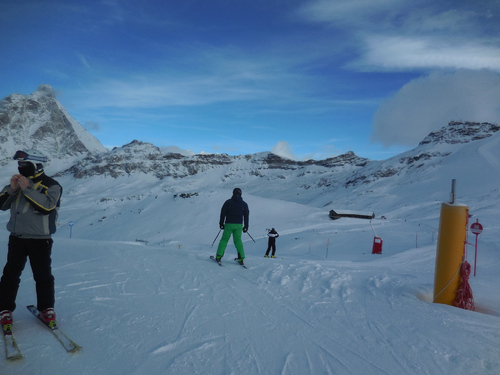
(234, 211)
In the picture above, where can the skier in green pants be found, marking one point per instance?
(234, 220)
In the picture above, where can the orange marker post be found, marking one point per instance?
(450, 251)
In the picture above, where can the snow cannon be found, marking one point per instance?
(450, 252)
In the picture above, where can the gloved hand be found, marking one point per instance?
(221, 226)
(245, 229)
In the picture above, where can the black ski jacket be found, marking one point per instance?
(234, 211)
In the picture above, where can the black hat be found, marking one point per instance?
(237, 191)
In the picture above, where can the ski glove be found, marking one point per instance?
(245, 229)
(221, 226)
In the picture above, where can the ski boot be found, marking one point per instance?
(49, 316)
(5, 317)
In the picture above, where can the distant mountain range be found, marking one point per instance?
(39, 121)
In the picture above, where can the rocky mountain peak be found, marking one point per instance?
(461, 132)
(39, 121)
(137, 148)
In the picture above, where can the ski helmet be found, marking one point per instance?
(34, 157)
(237, 191)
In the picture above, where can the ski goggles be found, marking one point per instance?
(22, 155)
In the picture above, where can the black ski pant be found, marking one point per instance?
(271, 246)
(39, 253)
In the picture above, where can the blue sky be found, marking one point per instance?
(305, 79)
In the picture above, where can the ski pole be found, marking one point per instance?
(251, 237)
(216, 238)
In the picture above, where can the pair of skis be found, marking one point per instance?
(12, 350)
(220, 264)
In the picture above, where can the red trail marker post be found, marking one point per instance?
(476, 229)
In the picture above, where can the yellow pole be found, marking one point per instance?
(450, 251)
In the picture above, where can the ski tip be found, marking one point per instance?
(76, 349)
(237, 261)
(14, 358)
(215, 260)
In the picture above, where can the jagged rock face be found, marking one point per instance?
(145, 158)
(347, 170)
(140, 157)
(461, 132)
(38, 121)
(349, 158)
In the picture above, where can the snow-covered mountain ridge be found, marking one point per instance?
(343, 171)
(461, 132)
(39, 121)
(140, 157)
(146, 158)
(346, 181)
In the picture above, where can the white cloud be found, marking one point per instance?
(91, 125)
(401, 35)
(347, 11)
(283, 149)
(429, 103)
(176, 150)
(414, 53)
(84, 61)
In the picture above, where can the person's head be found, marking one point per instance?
(237, 191)
(29, 162)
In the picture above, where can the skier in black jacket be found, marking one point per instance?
(272, 243)
(234, 220)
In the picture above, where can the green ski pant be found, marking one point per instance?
(235, 230)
